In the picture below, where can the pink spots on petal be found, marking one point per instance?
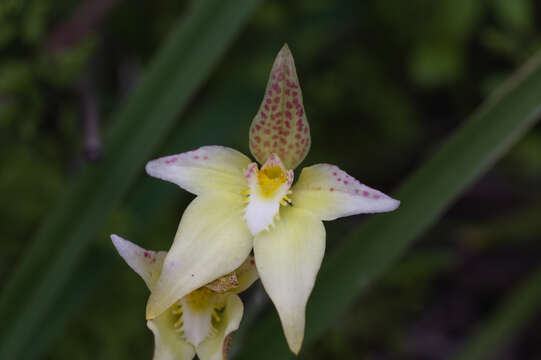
(331, 189)
(300, 112)
(287, 91)
(334, 173)
(276, 88)
(196, 157)
(205, 157)
(263, 115)
(376, 196)
(258, 139)
(356, 191)
(170, 160)
(266, 144)
(289, 105)
(276, 99)
(339, 179)
(268, 100)
(366, 193)
(298, 136)
(346, 182)
(146, 254)
(288, 115)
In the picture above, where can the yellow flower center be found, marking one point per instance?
(270, 179)
(198, 301)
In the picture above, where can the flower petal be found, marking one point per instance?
(280, 126)
(238, 280)
(246, 275)
(216, 347)
(168, 343)
(330, 193)
(288, 258)
(146, 263)
(212, 240)
(197, 309)
(209, 168)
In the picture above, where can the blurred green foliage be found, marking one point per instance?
(384, 82)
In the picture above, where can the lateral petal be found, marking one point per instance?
(330, 193)
(146, 263)
(212, 240)
(209, 168)
(216, 347)
(288, 258)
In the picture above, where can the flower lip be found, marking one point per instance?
(268, 187)
(272, 176)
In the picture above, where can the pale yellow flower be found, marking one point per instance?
(199, 322)
(240, 206)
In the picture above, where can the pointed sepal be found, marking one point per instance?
(146, 263)
(280, 125)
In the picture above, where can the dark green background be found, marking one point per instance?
(384, 83)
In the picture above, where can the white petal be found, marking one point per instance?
(209, 168)
(216, 347)
(330, 193)
(262, 208)
(212, 240)
(197, 317)
(146, 263)
(169, 343)
(288, 258)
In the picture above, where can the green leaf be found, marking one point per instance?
(369, 250)
(178, 70)
(78, 291)
(499, 330)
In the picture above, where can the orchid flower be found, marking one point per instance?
(200, 322)
(240, 206)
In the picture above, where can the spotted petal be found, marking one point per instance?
(212, 240)
(146, 263)
(288, 258)
(280, 125)
(330, 193)
(209, 168)
(168, 343)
